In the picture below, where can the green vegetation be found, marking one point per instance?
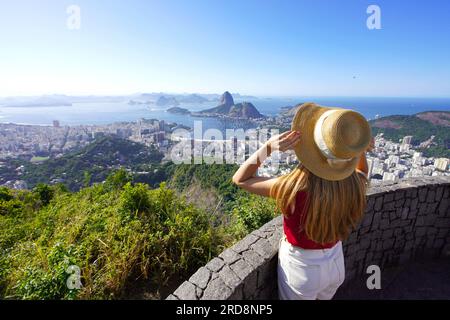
(135, 227)
(39, 159)
(98, 159)
(128, 239)
(217, 176)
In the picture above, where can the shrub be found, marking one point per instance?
(135, 198)
(251, 212)
(44, 192)
(117, 180)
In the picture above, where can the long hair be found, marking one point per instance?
(333, 208)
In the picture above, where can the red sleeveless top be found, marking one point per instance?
(293, 226)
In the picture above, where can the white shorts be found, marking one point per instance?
(305, 274)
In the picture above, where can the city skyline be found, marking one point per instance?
(287, 48)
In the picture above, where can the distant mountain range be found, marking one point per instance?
(159, 99)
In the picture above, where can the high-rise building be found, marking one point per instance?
(162, 125)
(407, 140)
(389, 176)
(56, 123)
(370, 164)
(441, 164)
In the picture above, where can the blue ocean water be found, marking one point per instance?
(105, 113)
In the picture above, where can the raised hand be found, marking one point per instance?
(285, 141)
(371, 145)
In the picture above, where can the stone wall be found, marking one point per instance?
(404, 221)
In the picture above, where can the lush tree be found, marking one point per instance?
(44, 192)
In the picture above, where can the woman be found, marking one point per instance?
(321, 200)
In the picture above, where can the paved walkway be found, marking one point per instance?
(417, 280)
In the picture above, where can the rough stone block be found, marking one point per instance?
(407, 203)
(392, 215)
(412, 214)
(378, 203)
(446, 194)
(367, 220)
(274, 239)
(370, 204)
(242, 269)
(267, 272)
(420, 221)
(186, 291)
(430, 220)
(439, 193)
(198, 293)
(388, 244)
(423, 194)
(399, 203)
(388, 206)
(432, 208)
(431, 196)
(245, 243)
(384, 224)
(216, 290)
(404, 214)
(229, 277)
(263, 248)
(414, 203)
(400, 194)
(409, 244)
(420, 231)
(376, 221)
(444, 207)
(443, 222)
(250, 285)
(229, 256)
(404, 223)
(262, 234)
(238, 293)
(388, 233)
(215, 264)
(253, 258)
(388, 197)
(423, 209)
(201, 277)
(398, 232)
(247, 274)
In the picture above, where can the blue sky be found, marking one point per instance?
(259, 47)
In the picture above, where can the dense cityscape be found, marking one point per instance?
(388, 161)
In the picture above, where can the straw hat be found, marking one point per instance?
(332, 140)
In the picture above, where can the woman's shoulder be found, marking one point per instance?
(302, 193)
(301, 196)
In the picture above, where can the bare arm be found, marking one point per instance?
(245, 177)
(362, 164)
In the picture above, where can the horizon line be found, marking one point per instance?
(232, 93)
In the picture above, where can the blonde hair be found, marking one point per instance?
(333, 208)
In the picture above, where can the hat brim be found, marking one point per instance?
(307, 151)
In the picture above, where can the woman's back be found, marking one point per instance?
(293, 225)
